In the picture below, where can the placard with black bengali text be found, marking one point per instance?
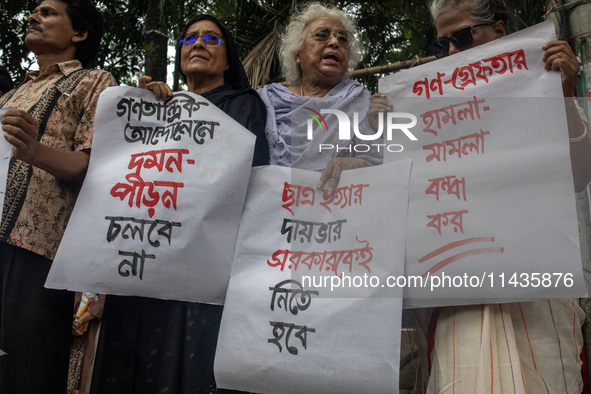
(159, 210)
(312, 304)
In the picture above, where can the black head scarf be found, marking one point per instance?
(234, 76)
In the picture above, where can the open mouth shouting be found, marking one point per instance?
(332, 57)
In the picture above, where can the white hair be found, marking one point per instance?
(293, 39)
(484, 11)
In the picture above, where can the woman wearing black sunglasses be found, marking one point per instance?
(465, 24)
(452, 20)
(525, 347)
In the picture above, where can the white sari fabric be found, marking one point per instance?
(518, 348)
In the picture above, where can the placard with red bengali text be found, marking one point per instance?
(159, 210)
(492, 208)
(309, 308)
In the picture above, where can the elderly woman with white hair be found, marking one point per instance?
(318, 51)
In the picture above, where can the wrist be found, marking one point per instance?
(29, 155)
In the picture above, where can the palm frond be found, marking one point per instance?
(257, 63)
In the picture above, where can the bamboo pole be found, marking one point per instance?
(391, 67)
(387, 68)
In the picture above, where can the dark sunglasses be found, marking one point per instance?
(209, 39)
(462, 39)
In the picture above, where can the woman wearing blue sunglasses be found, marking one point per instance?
(524, 347)
(157, 346)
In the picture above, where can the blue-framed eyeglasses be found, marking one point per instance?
(208, 39)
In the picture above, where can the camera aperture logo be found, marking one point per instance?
(345, 130)
(317, 121)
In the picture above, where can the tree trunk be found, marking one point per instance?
(157, 40)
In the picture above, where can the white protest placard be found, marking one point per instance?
(286, 327)
(492, 208)
(159, 210)
(5, 149)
